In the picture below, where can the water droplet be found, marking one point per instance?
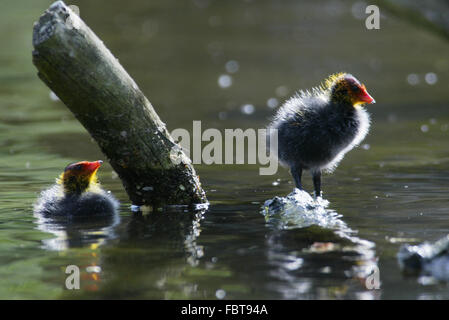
(358, 10)
(366, 146)
(424, 128)
(232, 66)
(95, 269)
(281, 91)
(413, 79)
(222, 115)
(220, 294)
(247, 109)
(431, 78)
(326, 269)
(272, 103)
(224, 81)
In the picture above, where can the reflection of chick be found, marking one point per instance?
(316, 129)
(77, 193)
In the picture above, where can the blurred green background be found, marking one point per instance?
(230, 64)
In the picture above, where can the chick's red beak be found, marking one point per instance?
(92, 166)
(365, 97)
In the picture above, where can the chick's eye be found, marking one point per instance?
(355, 88)
(78, 167)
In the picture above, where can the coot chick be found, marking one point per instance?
(77, 193)
(317, 128)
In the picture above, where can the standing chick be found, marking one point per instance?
(316, 129)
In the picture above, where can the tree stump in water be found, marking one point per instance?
(84, 74)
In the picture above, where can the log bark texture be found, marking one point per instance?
(84, 74)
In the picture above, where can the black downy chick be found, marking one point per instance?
(77, 193)
(316, 129)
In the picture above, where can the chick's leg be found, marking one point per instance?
(297, 173)
(317, 182)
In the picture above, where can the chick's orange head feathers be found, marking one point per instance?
(78, 176)
(84, 168)
(358, 92)
(345, 87)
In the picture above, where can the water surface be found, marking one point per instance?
(391, 190)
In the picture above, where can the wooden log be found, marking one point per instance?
(84, 74)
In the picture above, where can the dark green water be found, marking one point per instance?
(393, 190)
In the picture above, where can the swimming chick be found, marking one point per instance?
(77, 192)
(317, 128)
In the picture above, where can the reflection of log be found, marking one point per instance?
(84, 74)
(430, 15)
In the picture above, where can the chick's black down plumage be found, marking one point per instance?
(316, 129)
(77, 193)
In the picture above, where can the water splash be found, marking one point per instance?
(300, 210)
(299, 219)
